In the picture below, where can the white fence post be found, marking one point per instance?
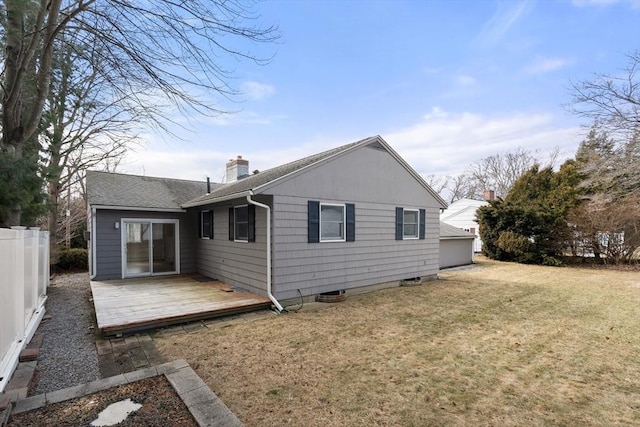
(43, 270)
(30, 273)
(24, 277)
(10, 311)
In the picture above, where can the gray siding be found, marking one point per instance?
(108, 241)
(242, 264)
(376, 184)
(455, 252)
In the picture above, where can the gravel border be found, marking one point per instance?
(68, 354)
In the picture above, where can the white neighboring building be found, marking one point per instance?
(462, 214)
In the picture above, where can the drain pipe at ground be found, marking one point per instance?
(271, 297)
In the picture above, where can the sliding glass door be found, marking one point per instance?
(149, 247)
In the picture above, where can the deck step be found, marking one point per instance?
(29, 354)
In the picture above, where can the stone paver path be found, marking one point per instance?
(120, 355)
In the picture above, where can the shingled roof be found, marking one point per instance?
(253, 182)
(115, 189)
(261, 180)
(111, 189)
(450, 232)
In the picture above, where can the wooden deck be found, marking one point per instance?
(130, 305)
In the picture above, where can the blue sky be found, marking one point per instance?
(445, 83)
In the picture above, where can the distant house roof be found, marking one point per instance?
(460, 206)
(258, 182)
(134, 191)
(450, 232)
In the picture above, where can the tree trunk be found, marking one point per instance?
(25, 87)
(52, 220)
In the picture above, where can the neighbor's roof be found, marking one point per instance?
(450, 232)
(254, 183)
(461, 206)
(115, 189)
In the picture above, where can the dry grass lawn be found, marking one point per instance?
(500, 344)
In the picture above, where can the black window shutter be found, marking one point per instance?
(422, 223)
(200, 221)
(231, 228)
(313, 222)
(399, 223)
(251, 210)
(210, 224)
(351, 222)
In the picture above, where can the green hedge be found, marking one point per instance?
(73, 259)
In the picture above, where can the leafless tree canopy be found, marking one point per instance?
(497, 172)
(141, 57)
(608, 220)
(608, 229)
(612, 102)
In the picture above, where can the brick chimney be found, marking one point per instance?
(237, 169)
(488, 195)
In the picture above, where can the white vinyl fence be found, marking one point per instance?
(24, 277)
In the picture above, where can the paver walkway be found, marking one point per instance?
(130, 353)
(122, 355)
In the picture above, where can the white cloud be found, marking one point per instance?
(583, 3)
(428, 70)
(447, 143)
(546, 65)
(187, 162)
(256, 90)
(465, 80)
(172, 163)
(442, 143)
(507, 14)
(239, 118)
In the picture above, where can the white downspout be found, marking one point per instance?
(92, 236)
(271, 297)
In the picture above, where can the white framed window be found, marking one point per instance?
(410, 224)
(332, 222)
(241, 223)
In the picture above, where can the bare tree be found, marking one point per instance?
(612, 102)
(499, 171)
(608, 229)
(167, 50)
(461, 187)
(608, 221)
(84, 124)
(437, 183)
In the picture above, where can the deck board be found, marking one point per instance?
(130, 305)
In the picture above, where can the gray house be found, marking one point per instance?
(351, 217)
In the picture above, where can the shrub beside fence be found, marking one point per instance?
(24, 278)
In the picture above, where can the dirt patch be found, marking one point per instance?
(161, 406)
(501, 344)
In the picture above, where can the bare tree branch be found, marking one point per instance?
(611, 102)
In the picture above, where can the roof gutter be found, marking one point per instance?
(136, 208)
(268, 209)
(192, 204)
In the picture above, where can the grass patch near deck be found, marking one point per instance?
(499, 344)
